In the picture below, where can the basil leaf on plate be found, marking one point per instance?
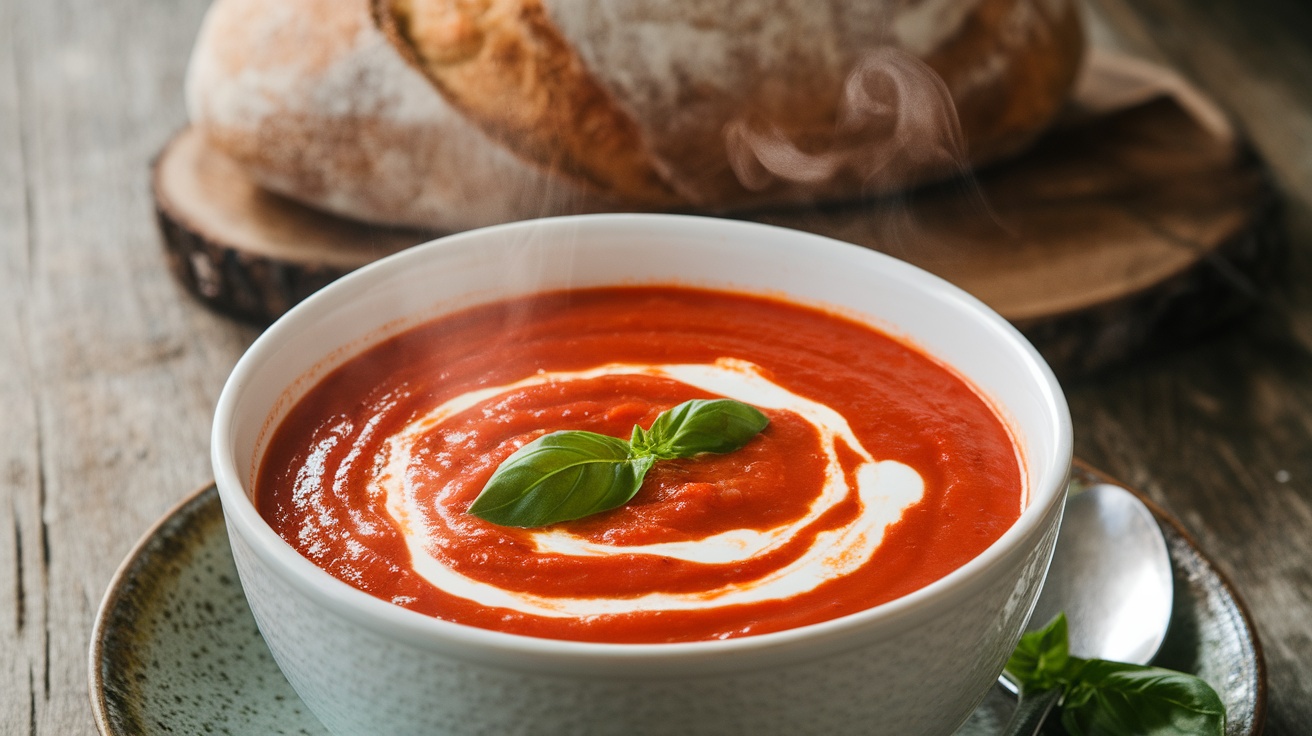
(1042, 657)
(1109, 698)
(1103, 698)
(559, 477)
(571, 474)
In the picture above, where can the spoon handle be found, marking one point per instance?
(1031, 711)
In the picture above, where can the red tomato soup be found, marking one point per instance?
(880, 471)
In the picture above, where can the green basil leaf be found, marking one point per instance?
(700, 425)
(1042, 657)
(568, 475)
(559, 477)
(1110, 698)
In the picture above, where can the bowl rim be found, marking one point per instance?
(411, 627)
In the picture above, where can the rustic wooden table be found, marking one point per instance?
(109, 371)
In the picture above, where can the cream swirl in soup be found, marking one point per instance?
(880, 471)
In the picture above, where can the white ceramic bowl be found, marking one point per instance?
(916, 665)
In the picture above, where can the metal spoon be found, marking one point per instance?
(1111, 575)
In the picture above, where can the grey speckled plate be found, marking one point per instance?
(176, 651)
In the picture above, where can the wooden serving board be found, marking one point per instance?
(1141, 219)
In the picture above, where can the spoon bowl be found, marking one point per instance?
(1111, 575)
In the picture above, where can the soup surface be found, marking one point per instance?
(880, 471)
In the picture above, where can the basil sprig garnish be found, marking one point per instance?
(571, 474)
(1102, 698)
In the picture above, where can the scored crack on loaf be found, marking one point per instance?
(467, 112)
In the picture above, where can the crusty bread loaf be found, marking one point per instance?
(831, 98)
(516, 108)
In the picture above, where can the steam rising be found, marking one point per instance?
(896, 125)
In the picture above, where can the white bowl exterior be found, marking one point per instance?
(926, 681)
(916, 665)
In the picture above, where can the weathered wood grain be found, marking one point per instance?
(22, 567)
(1221, 433)
(112, 377)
